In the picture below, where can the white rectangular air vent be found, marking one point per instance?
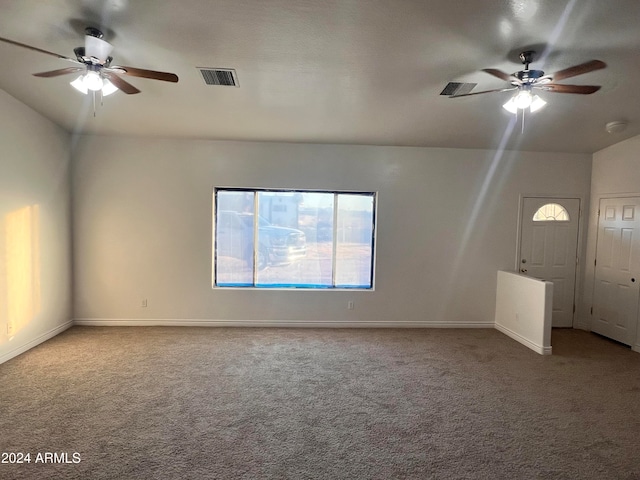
(220, 76)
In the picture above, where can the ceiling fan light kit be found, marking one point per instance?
(87, 82)
(523, 100)
(93, 81)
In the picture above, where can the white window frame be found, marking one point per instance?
(333, 286)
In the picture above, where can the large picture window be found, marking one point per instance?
(293, 238)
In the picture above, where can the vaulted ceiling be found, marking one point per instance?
(334, 71)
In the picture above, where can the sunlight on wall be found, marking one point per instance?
(20, 274)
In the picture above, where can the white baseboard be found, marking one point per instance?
(35, 342)
(526, 342)
(636, 348)
(172, 322)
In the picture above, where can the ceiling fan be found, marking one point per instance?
(526, 82)
(94, 65)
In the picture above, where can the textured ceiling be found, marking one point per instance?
(334, 71)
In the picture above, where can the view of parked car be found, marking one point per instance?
(275, 246)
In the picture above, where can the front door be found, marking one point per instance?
(548, 249)
(617, 276)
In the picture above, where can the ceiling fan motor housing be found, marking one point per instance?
(528, 76)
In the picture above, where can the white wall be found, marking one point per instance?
(615, 172)
(523, 310)
(35, 229)
(446, 223)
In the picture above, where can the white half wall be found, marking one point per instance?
(447, 220)
(35, 228)
(523, 310)
(616, 173)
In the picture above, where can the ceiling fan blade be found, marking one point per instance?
(502, 75)
(581, 89)
(62, 71)
(577, 70)
(485, 91)
(35, 49)
(123, 85)
(140, 72)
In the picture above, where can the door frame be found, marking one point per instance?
(635, 345)
(580, 253)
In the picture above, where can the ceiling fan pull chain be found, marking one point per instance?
(94, 104)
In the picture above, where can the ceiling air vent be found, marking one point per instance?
(455, 88)
(220, 76)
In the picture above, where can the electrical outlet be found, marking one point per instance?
(350, 305)
(143, 303)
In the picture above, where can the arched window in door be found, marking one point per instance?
(551, 212)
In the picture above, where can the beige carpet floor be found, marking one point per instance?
(223, 403)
